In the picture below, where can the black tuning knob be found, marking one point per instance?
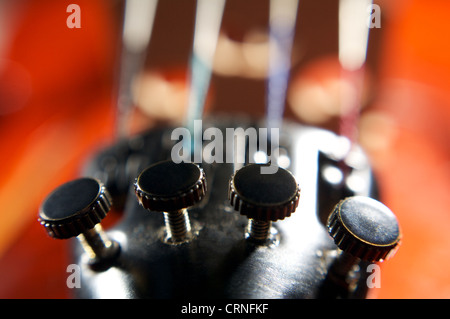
(171, 188)
(76, 209)
(365, 230)
(263, 198)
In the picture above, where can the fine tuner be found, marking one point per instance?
(216, 231)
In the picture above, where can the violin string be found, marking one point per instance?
(138, 23)
(353, 41)
(206, 33)
(282, 21)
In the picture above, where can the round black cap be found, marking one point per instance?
(167, 186)
(264, 197)
(365, 228)
(74, 207)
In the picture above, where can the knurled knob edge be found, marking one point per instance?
(179, 201)
(352, 244)
(84, 220)
(262, 212)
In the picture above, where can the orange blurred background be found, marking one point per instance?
(57, 107)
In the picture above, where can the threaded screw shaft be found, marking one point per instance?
(259, 231)
(178, 226)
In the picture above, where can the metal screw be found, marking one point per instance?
(170, 188)
(75, 209)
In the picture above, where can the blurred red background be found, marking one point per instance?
(57, 107)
